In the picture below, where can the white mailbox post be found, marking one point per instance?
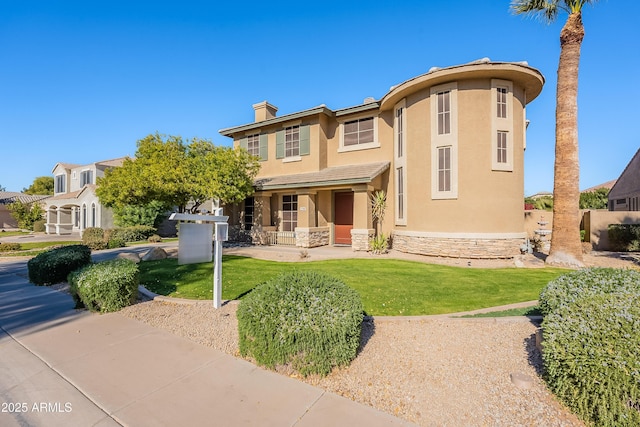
(221, 229)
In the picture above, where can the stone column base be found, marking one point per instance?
(360, 239)
(312, 237)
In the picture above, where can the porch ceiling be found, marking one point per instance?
(338, 175)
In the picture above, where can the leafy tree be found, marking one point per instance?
(174, 173)
(597, 199)
(42, 185)
(566, 247)
(2, 188)
(26, 213)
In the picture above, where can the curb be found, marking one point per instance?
(182, 301)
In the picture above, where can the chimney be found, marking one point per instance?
(264, 111)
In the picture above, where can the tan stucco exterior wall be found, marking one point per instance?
(488, 204)
(488, 201)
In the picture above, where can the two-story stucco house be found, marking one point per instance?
(74, 205)
(447, 147)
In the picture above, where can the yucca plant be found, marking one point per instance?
(379, 243)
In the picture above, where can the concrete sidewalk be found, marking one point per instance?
(63, 367)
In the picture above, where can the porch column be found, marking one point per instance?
(362, 222)
(262, 210)
(52, 220)
(308, 235)
(307, 209)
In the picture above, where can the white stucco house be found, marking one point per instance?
(75, 205)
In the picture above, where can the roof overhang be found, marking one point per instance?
(334, 176)
(521, 73)
(322, 109)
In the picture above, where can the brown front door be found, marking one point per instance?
(343, 205)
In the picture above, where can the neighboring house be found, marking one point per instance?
(8, 197)
(625, 193)
(607, 185)
(447, 147)
(74, 205)
(541, 195)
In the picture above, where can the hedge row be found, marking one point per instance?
(97, 238)
(106, 286)
(624, 237)
(55, 265)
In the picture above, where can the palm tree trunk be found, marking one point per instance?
(566, 248)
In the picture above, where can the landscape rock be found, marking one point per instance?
(154, 254)
(131, 256)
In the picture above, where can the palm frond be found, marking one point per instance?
(542, 9)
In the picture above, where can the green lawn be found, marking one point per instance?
(387, 287)
(34, 248)
(12, 233)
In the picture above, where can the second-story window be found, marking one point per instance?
(357, 132)
(61, 184)
(400, 131)
(86, 177)
(292, 141)
(501, 110)
(253, 145)
(444, 112)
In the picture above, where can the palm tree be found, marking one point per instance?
(566, 248)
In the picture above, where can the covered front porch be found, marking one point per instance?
(74, 212)
(329, 207)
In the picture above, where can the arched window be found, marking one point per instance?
(84, 216)
(93, 214)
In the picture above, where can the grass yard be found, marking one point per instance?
(387, 287)
(12, 233)
(34, 248)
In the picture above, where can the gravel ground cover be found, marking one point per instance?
(431, 370)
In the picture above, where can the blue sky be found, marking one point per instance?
(83, 81)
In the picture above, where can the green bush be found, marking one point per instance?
(94, 238)
(39, 226)
(624, 237)
(590, 354)
(6, 247)
(115, 243)
(307, 319)
(583, 283)
(106, 286)
(54, 265)
(136, 233)
(25, 213)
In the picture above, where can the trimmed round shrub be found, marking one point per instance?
(106, 286)
(591, 357)
(94, 238)
(583, 283)
(154, 238)
(54, 265)
(306, 319)
(6, 247)
(39, 226)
